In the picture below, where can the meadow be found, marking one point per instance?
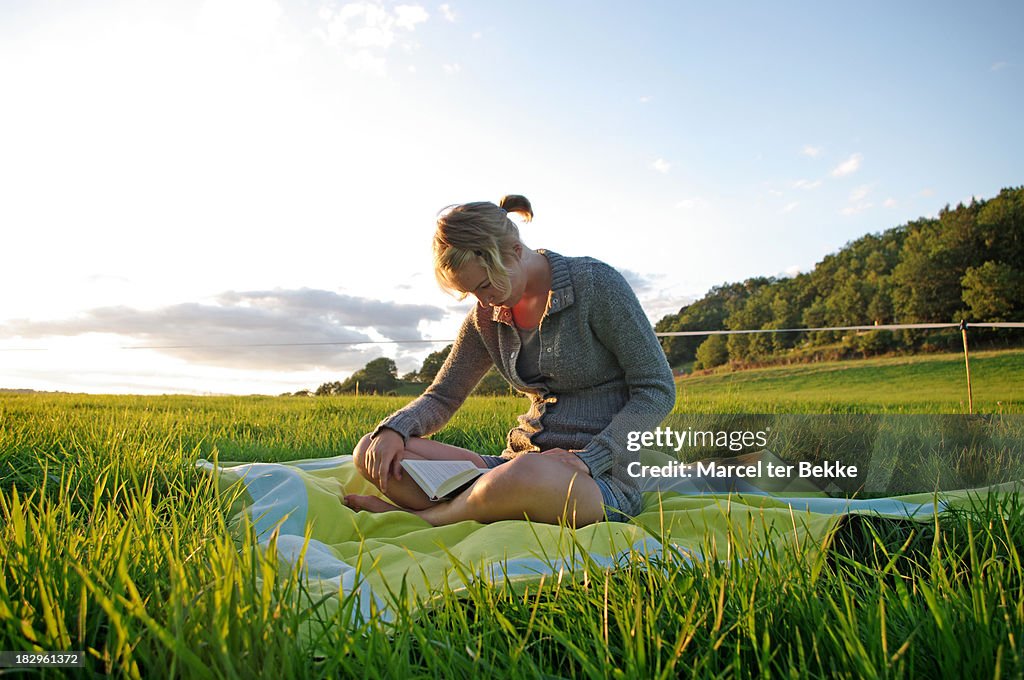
(927, 383)
(115, 545)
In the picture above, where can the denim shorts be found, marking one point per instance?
(611, 506)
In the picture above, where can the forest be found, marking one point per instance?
(966, 264)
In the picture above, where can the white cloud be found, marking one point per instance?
(363, 31)
(890, 203)
(806, 184)
(857, 201)
(447, 12)
(927, 193)
(811, 151)
(849, 166)
(477, 35)
(452, 69)
(691, 203)
(363, 25)
(860, 193)
(645, 99)
(408, 16)
(367, 62)
(790, 207)
(641, 284)
(999, 65)
(661, 165)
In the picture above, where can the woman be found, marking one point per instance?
(569, 333)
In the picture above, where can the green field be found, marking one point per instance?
(114, 544)
(932, 383)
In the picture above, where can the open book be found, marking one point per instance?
(441, 478)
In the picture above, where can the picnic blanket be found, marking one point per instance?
(382, 559)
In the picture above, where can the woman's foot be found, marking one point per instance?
(370, 504)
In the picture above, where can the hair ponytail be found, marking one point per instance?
(514, 203)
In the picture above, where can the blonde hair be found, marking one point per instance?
(479, 231)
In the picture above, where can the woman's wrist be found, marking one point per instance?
(380, 429)
(385, 430)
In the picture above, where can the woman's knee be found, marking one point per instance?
(359, 453)
(544, 488)
(526, 473)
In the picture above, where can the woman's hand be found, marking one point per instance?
(569, 458)
(384, 458)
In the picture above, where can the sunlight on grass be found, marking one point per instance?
(918, 384)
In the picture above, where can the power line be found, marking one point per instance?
(881, 327)
(283, 344)
(244, 344)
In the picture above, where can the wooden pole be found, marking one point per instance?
(967, 362)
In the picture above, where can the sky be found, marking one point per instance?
(207, 197)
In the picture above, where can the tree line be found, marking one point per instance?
(380, 376)
(965, 264)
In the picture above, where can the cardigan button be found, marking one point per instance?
(549, 350)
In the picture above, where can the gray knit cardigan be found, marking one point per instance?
(605, 374)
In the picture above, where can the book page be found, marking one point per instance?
(433, 473)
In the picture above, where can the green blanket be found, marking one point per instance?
(384, 558)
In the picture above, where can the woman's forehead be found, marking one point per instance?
(469, 276)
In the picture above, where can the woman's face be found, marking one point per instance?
(472, 279)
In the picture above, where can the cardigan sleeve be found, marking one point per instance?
(620, 324)
(460, 373)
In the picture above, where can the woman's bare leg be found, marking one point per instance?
(532, 486)
(403, 490)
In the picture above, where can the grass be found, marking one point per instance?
(113, 544)
(934, 383)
